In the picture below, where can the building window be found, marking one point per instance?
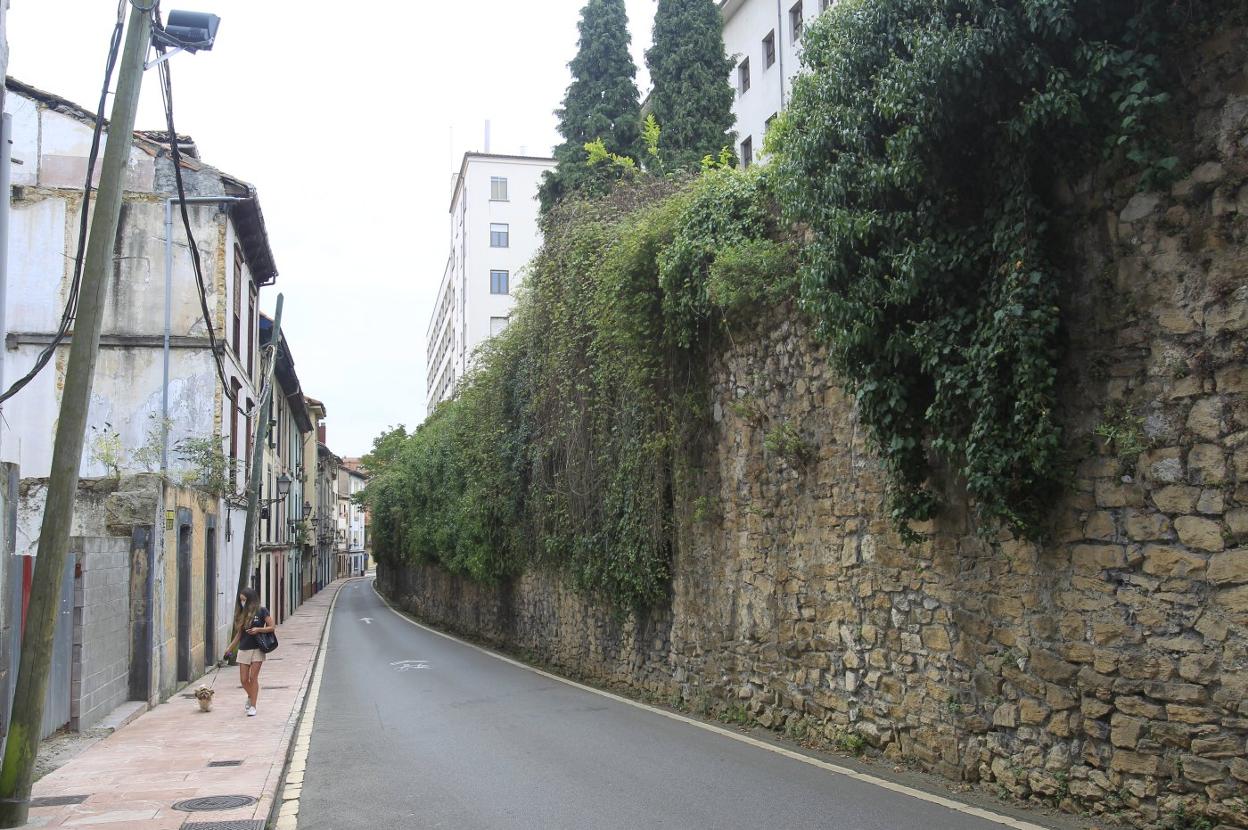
(500, 282)
(747, 152)
(824, 5)
(500, 236)
(769, 122)
(238, 299)
(769, 49)
(743, 77)
(498, 189)
(497, 326)
(796, 21)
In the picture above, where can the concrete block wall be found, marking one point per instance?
(100, 680)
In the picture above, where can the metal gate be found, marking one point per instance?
(56, 708)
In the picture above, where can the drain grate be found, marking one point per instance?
(57, 800)
(225, 763)
(244, 824)
(214, 802)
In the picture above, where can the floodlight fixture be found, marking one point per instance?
(185, 32)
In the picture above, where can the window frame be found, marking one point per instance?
(505, 282)
(747, 151)
(496, 235)
(769, 50)
(743, 77)
(494, 197)
(797, 22)
(238, 299)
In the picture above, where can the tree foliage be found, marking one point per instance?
(692, 97)
(565, 444)
(920, 148)
(601, 104)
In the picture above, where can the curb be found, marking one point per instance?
(300, 710)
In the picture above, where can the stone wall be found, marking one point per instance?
(1103, 670)
(101, 664)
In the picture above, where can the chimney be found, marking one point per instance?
(487, 136)
(320, 433)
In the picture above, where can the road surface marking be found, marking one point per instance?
(410, 665)
(901, 789)
(366, 620)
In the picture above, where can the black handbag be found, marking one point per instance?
(266, 641)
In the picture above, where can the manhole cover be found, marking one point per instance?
(225, 763)
(57, 800)
(214, 802)
(245, 824)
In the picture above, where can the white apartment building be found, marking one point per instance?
(494, 234)
(763, 38)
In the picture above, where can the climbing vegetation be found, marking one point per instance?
(567, 443)
(906, 205)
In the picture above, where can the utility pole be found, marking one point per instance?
(257, 454)
(32, 673)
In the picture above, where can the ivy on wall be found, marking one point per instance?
(920, 149)
(914, 165)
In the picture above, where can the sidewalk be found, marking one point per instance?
(132, 778)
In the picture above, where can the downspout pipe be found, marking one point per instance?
(6, 192)
(164, 393)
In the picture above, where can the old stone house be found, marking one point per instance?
(160, 404)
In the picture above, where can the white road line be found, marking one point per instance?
(902, 789)
(292, 787)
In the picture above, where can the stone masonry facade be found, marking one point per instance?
(1103, 670)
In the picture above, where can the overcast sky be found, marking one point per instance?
(348, 118)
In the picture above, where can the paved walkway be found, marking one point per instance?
(132, 778)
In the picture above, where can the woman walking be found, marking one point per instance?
(250, 620)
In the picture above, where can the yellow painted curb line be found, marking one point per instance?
(291, 787)
(902, 789)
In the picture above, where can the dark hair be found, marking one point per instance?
(248, 609)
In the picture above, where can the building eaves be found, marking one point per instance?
(287, 379)
(246, 215)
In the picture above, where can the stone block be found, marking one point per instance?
(1229, 568)
(1176, 692)
(1168, 561)
(1200, 533)
(1118, 494)
(1237, 521)
(1096, 558)
(1234, 600)
(1147, 527)
(1202, 771)
(1176, 499)
(1134, 763)
(1206, 418)
(1048, 666)
(1218, 746)
(1125, 731)
(1206, 464)
(1005, 715)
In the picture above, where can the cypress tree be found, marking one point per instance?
(601, 102)
(692, 97)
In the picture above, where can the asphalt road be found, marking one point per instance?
(413, 730)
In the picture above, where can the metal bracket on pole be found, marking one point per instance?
(163, 58)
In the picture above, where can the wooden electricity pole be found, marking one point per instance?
(45, 592)
(257, 454)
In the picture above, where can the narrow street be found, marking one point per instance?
(413, 730)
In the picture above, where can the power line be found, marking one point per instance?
(71, 302)
(166, 87)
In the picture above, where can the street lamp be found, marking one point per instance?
(185, 32)
(283, 486)
(307, 510)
